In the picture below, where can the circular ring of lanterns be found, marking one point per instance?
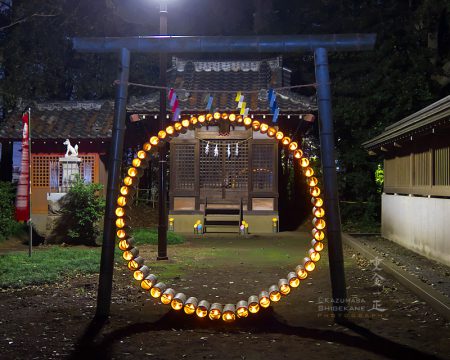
(192, 305)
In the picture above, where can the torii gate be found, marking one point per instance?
(319, 44)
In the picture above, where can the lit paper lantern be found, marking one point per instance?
(286, 141)
(304, 162)
(228, 313)
(136, 263)
(215, 311)
(274, 293)
(130, 254)
(317, 245)
(309, 264)
(178, 301)
(314, 191)
(293, 146)
(140, 274)
(202, 309)
(284, 287)
(264, 299)
(318, 212)
(162, 134)
(157, 290)
(319, 223)
(191, 305)
(301, 272)
(309, 171)
(126, 244)
(319, 235)
(298, 154)
(149, 282)
(185, 123)
(312, 181)
(263, 128)
(167, 296)
(256, 125)
(170, 130)
(314, 255)
(128, 180)
(317, 202)
(242, 308)
(271, 132)
(253, 304)
(293, 280)
(154, 140)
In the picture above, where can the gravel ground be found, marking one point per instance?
(429, 271)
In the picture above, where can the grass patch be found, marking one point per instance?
(46, 266)
(150, 236)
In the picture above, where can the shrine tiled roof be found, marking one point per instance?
(93, 119)
(64, 119)
(256, 76)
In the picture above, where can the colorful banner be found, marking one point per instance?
(23, 187)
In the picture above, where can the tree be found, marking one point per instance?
(83, 209)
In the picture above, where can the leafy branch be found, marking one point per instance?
(26, 18)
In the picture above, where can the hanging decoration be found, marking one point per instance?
(274, 109)
(209, 91)
(242, 105)
(202, 308)
(209, 104)
(232, 149)
(23, 187)
(174, 104)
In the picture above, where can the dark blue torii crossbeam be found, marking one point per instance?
(227, 44)
(319, 44)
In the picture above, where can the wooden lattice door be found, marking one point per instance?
(224, 169)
